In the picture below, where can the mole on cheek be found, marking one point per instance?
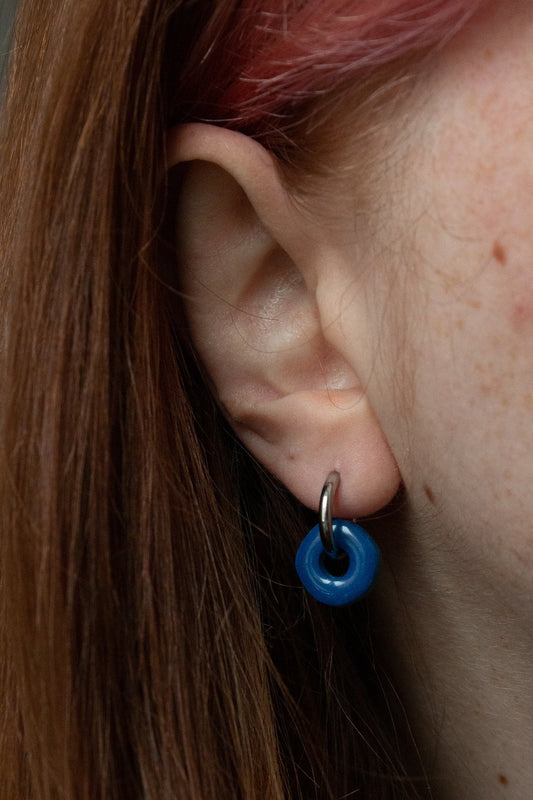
(503, 780)
(499, 253)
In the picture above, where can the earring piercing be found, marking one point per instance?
(330, 541)
(325, 527)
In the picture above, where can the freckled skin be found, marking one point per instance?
(468, 182)
(522, 313)
(446, 354)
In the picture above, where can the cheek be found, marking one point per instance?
(510, 291)
(485, 328)
(522, 312)
(461, 393)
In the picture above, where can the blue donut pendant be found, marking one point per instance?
(363, 564)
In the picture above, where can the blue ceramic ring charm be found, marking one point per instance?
(363, 558)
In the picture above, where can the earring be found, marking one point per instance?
(337, 561)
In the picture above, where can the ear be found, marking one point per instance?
(251, 260)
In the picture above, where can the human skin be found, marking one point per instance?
(456, 250)
(460, 219)
(415, 299)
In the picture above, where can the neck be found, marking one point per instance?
(460, 651)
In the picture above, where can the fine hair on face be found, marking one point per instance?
(154, 640)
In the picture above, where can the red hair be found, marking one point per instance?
(154, 642)
(276, 54)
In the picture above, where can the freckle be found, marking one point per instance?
(474, 303)
(429, 494)
(498, 252)
(504, 780)
(522, 312)
(507, 474)
(460, 324)
(528, 401)
(505, 402)
(479, 368)
(486, 388)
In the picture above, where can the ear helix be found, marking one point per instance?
(337, 561)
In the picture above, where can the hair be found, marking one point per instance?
(155, 642)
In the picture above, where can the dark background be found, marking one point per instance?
(7, 11)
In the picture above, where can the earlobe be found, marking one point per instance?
(248, 273)
(301, 436)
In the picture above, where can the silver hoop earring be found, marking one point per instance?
(337, 543)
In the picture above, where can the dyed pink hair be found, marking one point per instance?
(269, 55)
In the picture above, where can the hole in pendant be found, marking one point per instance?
(337, 566)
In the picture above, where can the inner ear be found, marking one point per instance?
(223, 246)
(275, 290)
(213, 204)
(252, 316)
